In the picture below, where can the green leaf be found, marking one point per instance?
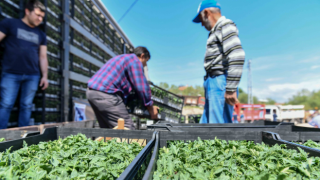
(74, 174)
(304, 171)
(54, 162)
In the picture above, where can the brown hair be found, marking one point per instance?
(32, 4)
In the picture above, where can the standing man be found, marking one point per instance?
(275, 115)
(113, 82)
(24, 61)
(223, 63)
(315, 121)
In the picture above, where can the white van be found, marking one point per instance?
(290, 113)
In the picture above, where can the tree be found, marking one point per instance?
(164, 85)
(271, 101)
(242, 97)
(175, 89)
(311, 100)
(189, 91)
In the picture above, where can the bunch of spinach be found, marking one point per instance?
(219, 159)
(75, 157)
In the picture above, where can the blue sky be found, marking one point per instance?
(280, 37)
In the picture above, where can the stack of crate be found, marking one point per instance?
(81, 38)
(9, 9)
(48, 102)
(46, 106)
(170, 105)
(94, 38)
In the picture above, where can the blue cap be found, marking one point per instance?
(203, 5)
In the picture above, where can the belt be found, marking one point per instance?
(119, 93)
(213, 73)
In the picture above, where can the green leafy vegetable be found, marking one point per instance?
(75, 157)
(2, 139)
(312, 144)
(219, 159)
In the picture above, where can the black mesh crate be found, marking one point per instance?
(194, 118)
(81, 66)
(10, 8)
(167, 98)
(269, 138)
(167, 112)
(182, 119)
(86, 22)
(77, 90)
(288, 131)
(133, 171)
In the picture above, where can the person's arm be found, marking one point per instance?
(43, 67)
(139, 81)
(4, 28)
(235, 55)
(2, 36)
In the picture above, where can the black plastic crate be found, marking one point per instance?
(269, 138)
(288, 131)
(182, 119)
(51, 134)
(167, 98)
(12, 135)
(194, 118)
(135, 106)
(9, 9)
(170, 110)
(20, 132)
(164, 124)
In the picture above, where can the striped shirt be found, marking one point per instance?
(224, 52)
(122, 74)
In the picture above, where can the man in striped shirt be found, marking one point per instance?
(223, 63)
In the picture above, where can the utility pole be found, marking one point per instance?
(250, 99)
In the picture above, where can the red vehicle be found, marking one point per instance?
(251, 112)
(201, 101)
(194, 100)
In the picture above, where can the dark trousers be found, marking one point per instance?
(108, 108)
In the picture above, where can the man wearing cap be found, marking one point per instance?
(315, 122)
(223, 63)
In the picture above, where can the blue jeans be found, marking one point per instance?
(216, 110)
(10, 85)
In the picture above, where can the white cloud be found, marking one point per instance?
(282, 92)
(315, 67)
(259, 68)
(274, 58)
(312, 59)
(273, 79)
(180, 71)
(195, 64)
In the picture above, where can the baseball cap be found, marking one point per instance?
(203, 5)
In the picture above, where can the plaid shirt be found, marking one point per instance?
(121, 74)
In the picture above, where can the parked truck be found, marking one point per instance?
(288, 113)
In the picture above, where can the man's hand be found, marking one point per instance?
(153, 111)
(231, 98)
(44, 83)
